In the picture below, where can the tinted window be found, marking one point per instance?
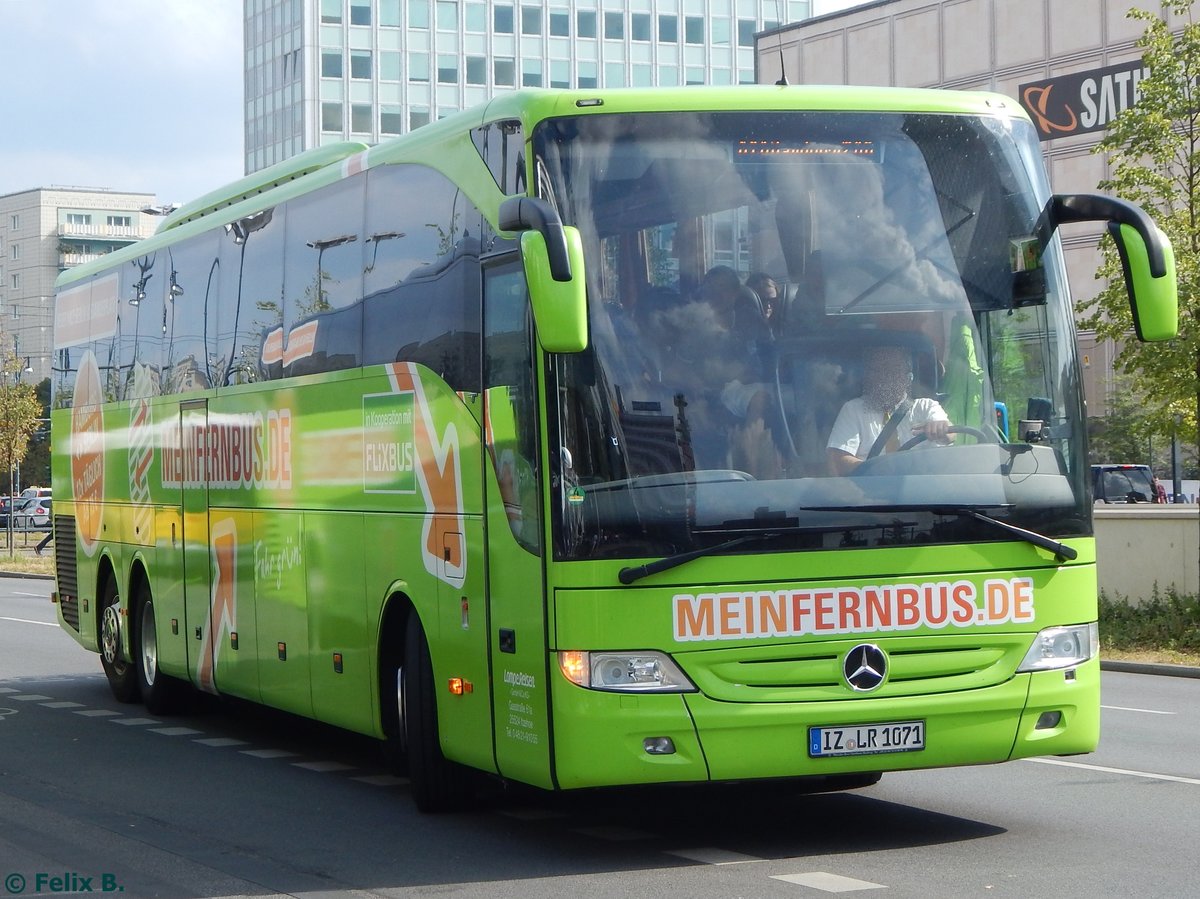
(251, 297)
(502, 146)
(139, 325)
(190, 343)
(322, 316)
(421, 267)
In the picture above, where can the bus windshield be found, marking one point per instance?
(829, 330)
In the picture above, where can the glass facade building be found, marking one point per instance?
(319, 71)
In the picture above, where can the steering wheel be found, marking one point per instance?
(953, 429)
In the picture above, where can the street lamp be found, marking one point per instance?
(165, 209)
(321, 246)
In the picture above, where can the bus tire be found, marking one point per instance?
(160, 692)
(438, 785)
(122, 679)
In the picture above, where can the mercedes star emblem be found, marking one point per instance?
(865, 667)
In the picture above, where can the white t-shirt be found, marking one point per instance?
(857, 428)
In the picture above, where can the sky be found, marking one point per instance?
(131, 95)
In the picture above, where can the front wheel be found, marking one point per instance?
(122, 679)
(438, 785)
(160, 693)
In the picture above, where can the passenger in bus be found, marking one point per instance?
(885, 414)
(720, 343)
(769, 298)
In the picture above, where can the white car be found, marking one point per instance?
(32, 514)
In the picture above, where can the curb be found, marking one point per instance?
(1163, 670)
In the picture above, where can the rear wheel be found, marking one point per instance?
(122, 679)
(438, 785)
(159, 691)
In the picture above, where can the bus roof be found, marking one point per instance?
(322, 165)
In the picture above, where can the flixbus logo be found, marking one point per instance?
(829, 611)
(388, 452)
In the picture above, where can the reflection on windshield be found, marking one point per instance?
(809, 311)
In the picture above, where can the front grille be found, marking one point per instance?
(65, 571)
(812, 672)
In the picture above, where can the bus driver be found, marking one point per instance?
(887, 379)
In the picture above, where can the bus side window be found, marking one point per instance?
(421, 274)
(323, 272)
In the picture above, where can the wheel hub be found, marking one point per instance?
(110, 635)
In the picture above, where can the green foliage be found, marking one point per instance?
(20, 410)
(1153, 150)
(1164, 621)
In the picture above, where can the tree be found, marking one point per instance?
(1153, 150)
(20, 410)
(35, 469)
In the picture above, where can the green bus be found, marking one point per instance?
(515, 442)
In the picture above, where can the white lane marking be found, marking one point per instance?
(267, 753)
(1121, 708)
(322, 767)
(8, 690)
(828, 883)
(1126, 771)
(135, 721)
(97, 713)
(220, 741)
(613, 832)
(62, 705)
(30, 697)
(175, 731)
(28, 621)
(532, 814)
(709, 856)
(382, 780)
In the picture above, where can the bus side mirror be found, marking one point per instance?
(554, 272)
(1146, 257)
(559, 307)
(1154, 301)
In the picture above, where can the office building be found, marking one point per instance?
(42, 232)
(1073, 65)
(319, 71)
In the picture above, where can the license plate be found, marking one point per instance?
(866, 739)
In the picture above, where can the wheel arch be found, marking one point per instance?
(398, 610)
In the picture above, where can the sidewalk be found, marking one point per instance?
(25, 544)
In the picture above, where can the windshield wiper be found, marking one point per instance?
(630, 573)
(1062, 552)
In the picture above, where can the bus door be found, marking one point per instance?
(516, 593)
(211, 544)
(197, 568)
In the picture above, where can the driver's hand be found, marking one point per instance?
(934, 430)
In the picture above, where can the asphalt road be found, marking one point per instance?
(228, 800)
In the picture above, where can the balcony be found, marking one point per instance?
(69, 260)
(103, 232)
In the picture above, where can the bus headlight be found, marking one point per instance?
(626, 672)
(1062, 647)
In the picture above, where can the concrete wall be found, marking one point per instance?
(1138, 546)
